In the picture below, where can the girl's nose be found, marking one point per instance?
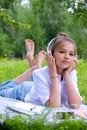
(66, 55)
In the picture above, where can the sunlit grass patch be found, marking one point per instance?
(9, 69)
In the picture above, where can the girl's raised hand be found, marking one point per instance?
(72, 66)
(51, 64)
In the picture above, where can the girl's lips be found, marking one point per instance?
(65, 62)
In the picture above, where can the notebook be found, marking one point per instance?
(26, 108)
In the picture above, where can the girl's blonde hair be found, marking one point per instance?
(61, 37)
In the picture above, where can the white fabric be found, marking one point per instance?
(13, 104)
(40, 92)
(4, 102)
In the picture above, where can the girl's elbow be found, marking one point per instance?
(75, 105)
(52, 104)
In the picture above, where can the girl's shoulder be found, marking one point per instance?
(74, 71)
(73, 74)
(43, 69)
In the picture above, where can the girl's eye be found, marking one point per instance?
(71, 54)
(61, 51)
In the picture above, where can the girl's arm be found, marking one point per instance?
(73, 97)
(26, 75)
(54, 98)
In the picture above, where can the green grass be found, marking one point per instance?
(82, 79)
(9, 69)
(38, 123)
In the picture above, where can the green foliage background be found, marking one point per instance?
(40, 21)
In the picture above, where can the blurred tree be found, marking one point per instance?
(41, 21)
(79, 24)
(19, 28)
(5, 47)
(6, 3)
(51, 15)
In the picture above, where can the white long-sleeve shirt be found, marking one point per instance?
(40, 92)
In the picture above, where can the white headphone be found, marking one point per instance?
(50, 44)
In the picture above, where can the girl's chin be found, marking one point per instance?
(63, 67)
(66, 67)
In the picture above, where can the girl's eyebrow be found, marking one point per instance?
(65, 50)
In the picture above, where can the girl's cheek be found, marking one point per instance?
(72, 59)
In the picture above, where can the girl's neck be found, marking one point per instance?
(59, 71)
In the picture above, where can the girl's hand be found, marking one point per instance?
(71, 67)
(51, 64)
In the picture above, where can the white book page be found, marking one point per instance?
(27, 108)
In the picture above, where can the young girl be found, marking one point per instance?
(56, 84)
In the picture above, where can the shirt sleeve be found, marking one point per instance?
(42, 85)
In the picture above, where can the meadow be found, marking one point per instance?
(10, 69)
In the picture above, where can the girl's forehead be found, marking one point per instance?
(66, 45)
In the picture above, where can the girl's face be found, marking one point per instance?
(64, 55)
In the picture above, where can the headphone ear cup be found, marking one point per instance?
(76, 56)
(50, 44)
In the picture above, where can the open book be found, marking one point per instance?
(26, 108)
